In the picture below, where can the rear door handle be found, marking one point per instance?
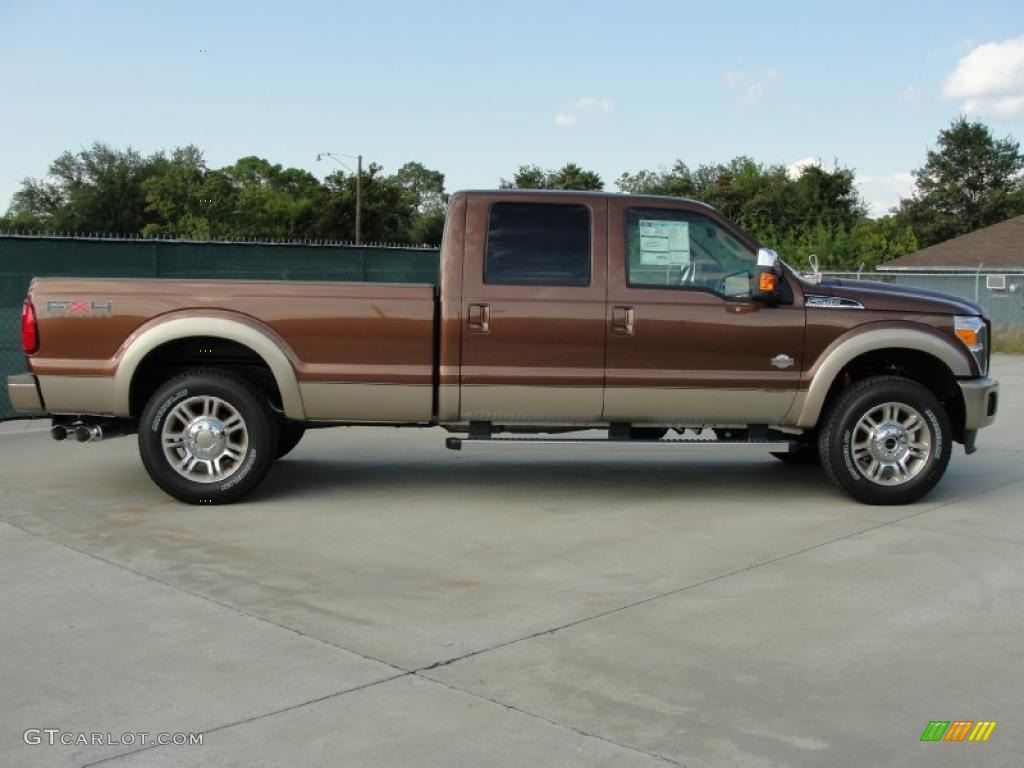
(479, 318)
(622, 321)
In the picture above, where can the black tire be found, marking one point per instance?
(845, 447)
(254, 441)
(289, 433)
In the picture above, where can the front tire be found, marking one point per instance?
(886, 440)
(207, 437)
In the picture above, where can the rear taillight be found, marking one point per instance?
(29, 329)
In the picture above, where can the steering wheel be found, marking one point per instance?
(687, 275)
(720, 288)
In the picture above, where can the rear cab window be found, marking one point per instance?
(538, 244)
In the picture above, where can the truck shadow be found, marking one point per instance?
(750, 480)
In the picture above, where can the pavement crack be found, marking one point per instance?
(549, 721)
(207, 598)
(254, 718)
(705, 582)
(958, 534)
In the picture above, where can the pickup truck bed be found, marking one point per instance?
(360, 352)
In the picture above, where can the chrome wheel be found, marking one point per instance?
(205, 439)
(891, 444)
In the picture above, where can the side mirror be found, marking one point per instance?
(767, 277)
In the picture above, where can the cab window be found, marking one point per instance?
(538, 244)
(684, 250)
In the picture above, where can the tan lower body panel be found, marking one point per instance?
(78, 394)
(343, 401)
(24, 393)
(448, 403)
(521, 404)
(639, 405)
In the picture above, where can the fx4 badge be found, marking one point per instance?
(69, 308)
(782, 361)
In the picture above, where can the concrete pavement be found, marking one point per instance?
(383, 601)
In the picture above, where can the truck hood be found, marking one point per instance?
(895, 298)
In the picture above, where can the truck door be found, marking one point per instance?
(686, 344)
(533, 309)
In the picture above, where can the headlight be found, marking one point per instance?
(973, 332)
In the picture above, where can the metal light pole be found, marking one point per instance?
(359, 199)
(359, 187)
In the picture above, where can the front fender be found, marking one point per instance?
(806, 409)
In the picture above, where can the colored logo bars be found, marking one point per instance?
(958, 730)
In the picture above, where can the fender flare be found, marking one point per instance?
(263, 341)
(806, 410)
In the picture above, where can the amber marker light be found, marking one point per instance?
(968, 336)
(767, 282)
(973, 332)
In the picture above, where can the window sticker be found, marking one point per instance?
(664, 243)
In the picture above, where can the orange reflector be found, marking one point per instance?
(767, 282)
(969, 336)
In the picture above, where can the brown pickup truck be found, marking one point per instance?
(556, 312)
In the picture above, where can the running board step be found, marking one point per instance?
(778, 446)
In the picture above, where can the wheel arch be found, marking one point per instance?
(919, 353)
(262, 342)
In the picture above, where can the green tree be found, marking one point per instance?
(177, 199)
(107, 190)
(387, 214)
(813, 212)
(100, 189)
(271, 201)
(424, 192)
(971, 180)
(678, 181)
(569, 176)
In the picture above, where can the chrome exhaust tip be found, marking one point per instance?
(59, 432)
(85, 433)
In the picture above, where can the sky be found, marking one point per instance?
(477, 89)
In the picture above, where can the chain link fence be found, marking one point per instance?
(1000, 293)
(24, 257)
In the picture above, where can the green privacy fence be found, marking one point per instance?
(24, 257)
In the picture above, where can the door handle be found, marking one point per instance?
(622, 321)
(479, 318)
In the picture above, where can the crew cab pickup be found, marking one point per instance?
(556, 312)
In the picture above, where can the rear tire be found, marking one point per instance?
(207, 437)
(886, 440)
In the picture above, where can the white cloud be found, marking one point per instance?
(590, 104)
(752, 87)
(1008, 107)
(793, 170)
(589, 107)
(990, 79)
(884, 192)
